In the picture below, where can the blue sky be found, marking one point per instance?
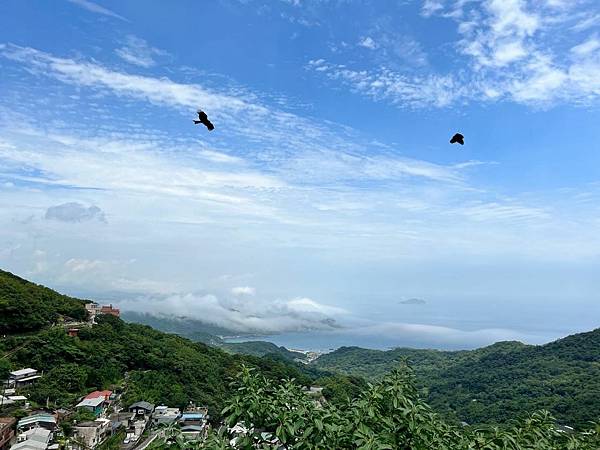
(328, 189)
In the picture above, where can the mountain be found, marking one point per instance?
(495, 383)
(262, 348)
(25, 306)
(209, 334)
(193, 329)
(147, 364)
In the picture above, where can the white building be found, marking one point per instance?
(90, 434)
(23, 377)
(165, 415)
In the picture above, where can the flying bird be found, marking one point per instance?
(458, 138)
(204, 120)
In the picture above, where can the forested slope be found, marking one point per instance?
(495, 383)
(149, 364)
(25, 306)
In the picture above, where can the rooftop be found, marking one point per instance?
(144, 405)
(92, 423)
(192, 416)
(33, 377)
(46, 418)
(90, 402)
(30, 444)
(166, 411)
(38, 434)
(22, 372)
(97, 394)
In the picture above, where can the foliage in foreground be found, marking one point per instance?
(387, 415)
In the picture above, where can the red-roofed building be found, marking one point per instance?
(110, 310)
(104, 394)
(95, 309)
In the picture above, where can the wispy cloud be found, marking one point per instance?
(589, 21)
(285, 140)
(97, 9)
(280, 190)
(399, 89)
(587, 47)
(136, 51)
(509, 57)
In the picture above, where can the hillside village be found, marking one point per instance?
(97, 417)
(100, 416)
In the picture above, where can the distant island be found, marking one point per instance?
(413, 301)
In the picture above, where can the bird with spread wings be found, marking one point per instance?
(203, 119)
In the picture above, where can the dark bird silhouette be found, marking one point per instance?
(204, 120)
(458, 138)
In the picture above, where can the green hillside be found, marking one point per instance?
(193, 329)
(389, 415)
(498, 383)
(25, 306)
(495, 383)
(151, 365)
(262, 348)
(199, 331)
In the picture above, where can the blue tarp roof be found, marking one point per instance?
(192, 416)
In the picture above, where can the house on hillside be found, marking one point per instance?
(94, 405)
(108, 309)
(22, 377)
(7, 431)
(164, 415)
(142, 408)
(193, 423)
(12, 399)
(90, 434)
(73, 332)
(41, 420)
(106, 395)
(95, 309)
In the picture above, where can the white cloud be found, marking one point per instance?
(75, 212)
(243, 290)
(367, 42)
(283, 139)
(435, 336)
(509, 57)
(318, 192)
(587, 22)
(97, 9)
(159, 90)
(504, 211)
(137, 51)
(258, 316)
(402, 90)
(77, 265)
(587, 47)
(219, 157)
(430, 7)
